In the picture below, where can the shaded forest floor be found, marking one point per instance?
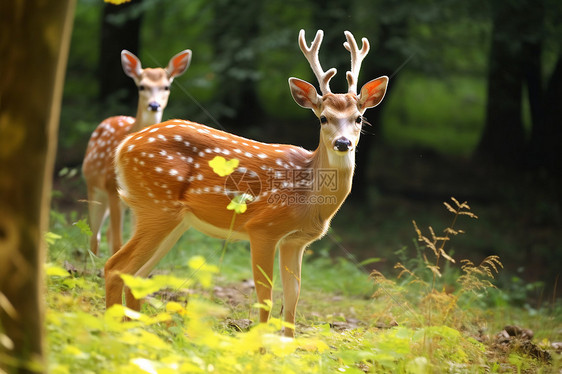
(519, 214)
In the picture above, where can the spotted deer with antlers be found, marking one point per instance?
(167, 177)
(98, 168)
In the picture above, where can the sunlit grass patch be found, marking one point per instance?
(199, 310)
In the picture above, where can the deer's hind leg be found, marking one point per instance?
(152, 239)
(98, 210)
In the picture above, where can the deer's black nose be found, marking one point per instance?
(153, 106)
(342, 144)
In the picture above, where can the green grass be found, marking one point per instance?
(425, 320)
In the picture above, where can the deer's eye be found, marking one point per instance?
(323, 120)
(141, 87)
(166, 88)
(359, 119)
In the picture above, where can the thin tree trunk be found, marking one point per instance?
(120, 30)
(234, 39)
(503, 138)
(35, 41)
(533, 36)
(553, 118)
(384, 59)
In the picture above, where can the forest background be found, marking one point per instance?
(473, 110)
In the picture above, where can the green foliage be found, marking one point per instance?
(414, 324)
(67, 238)
(324, 270)
(188, 338)
(446, 115)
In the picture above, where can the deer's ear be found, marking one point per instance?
(372, 93)
(131, 65)
(305, 94)
(179, 64)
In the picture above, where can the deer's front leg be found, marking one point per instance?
(290, 261)
(263, 255)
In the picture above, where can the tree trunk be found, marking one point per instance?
(33, 67)
(503, 138)
(236, 55)
(533, 80)
(553, 117)
(384, 60)
(532, 41)
(120, 30)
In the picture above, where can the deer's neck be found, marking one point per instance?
(145, 118)
(334, 174)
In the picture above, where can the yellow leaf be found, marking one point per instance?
(72, 350)
(132, 314)
(56, 271)
(200, 264)
(142, 287)
(174, 307)
(203, 271)
(222, 167)
(312, 345)
(116, 2)
(238, 204)
(279, 345)
(51, 237)
(58, 368)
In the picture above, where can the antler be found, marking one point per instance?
(311, 55)
(357, 56)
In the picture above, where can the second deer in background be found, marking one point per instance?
(98, 168)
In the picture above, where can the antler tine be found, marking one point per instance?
(357, 56)
(311, 55)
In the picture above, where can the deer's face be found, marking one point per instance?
(340, 121)
(154, 90)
